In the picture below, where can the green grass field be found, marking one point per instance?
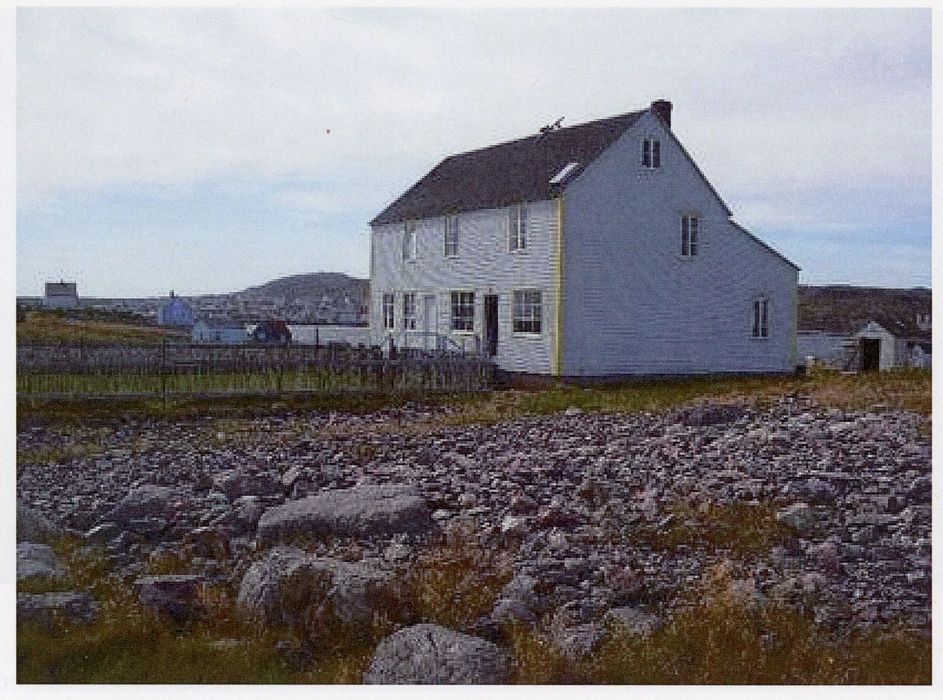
(74, 326)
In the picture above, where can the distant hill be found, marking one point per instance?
(844, 309)
(312, 286)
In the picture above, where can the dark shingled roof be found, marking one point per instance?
(500, 175)
(845, 309)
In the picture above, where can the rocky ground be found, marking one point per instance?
(604, 516)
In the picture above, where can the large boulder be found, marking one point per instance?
(37, 561)
(33, 526)
(430, 654)
(360, 511)
(289, 587)
(144, 502)
(47, 608)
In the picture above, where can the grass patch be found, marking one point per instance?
(456, 581)
(720, 640)
(904, 389)
(741, 528)
(84, 325)
(143, 650)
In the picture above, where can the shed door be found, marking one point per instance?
(870, 354)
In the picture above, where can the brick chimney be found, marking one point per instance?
(662, 109)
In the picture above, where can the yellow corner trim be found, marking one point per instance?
(558, 334)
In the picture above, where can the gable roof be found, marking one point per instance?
(516, 171)
(764, 244)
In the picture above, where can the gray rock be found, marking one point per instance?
(33, 526)
(798, 516)
(633, 620)
(430, 654)
(510, 610)
(37, 561)
(103, 533)
(827, 556)
(47, 608)
(578, 641)
(289, 585)
(178, 596)
(241, 482)
(208, 542)
(710, 414)
(361, 511)
(142, 503)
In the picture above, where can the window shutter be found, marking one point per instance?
(656, 154)
(684, 235)
(647, 153)
(756, 319)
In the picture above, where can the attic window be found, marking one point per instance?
(451, 236)
(517, 227)
(564, 173)
(651, 153)
(410, 243)
(689, 226)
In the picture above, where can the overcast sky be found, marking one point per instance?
(209, 150)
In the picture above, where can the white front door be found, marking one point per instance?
(430, 323)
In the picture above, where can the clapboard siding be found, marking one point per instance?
(633, 304)
(483, 265)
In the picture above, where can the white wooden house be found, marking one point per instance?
(593, 250)
(61, 295)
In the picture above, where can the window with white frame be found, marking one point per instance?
(410, 242)
(451, 236)
(388, 311)
(651, 153)
(527, 310)
(517, 227)
(409, 311)
(761, 317)
(463, 311)
(689, 232)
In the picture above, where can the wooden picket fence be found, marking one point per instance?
(71, 371)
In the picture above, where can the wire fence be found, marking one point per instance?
(77, 370)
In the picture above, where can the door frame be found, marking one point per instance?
(491, 324)
(430, 321)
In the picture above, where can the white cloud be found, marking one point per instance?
(168, 96)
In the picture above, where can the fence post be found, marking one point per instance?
(163, 372)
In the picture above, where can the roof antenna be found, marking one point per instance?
(544, 130)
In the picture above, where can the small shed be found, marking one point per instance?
(61, 295)
(227, 333)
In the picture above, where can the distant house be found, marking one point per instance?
(593, 250)
(219, 332)
(61, 295)
(877, 344)
(272, 333)
(174, 312)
